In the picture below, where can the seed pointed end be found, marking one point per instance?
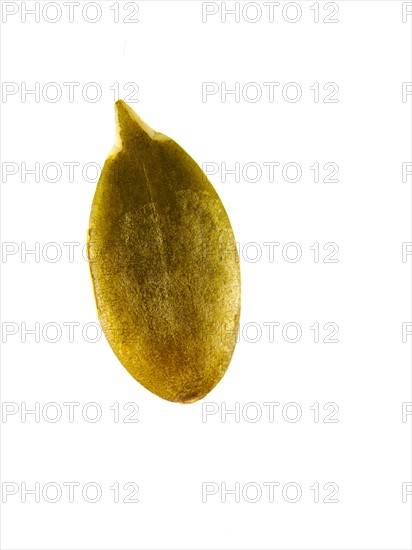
(127, 121)
(129, 125)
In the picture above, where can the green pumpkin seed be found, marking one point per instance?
(164, 264)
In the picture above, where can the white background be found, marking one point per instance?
(171, 452)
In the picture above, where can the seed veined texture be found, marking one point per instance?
(164, 264)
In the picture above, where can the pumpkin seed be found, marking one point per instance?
(164, 264)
